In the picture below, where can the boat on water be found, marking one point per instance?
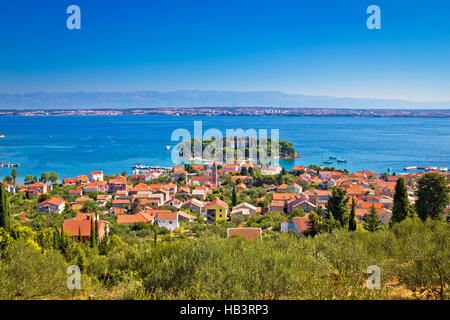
(167, 147)
(332, 157)
(328, 162)
(341, 160)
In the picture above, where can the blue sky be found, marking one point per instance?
(309, 47)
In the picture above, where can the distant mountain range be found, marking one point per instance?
(160, 99)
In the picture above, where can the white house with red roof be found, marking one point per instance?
(37, 189)
(52, 205)
(167, 219)
(96, 176)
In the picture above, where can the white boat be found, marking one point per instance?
(167, 147)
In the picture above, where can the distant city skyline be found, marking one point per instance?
(294, 47)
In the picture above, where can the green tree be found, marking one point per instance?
(352, 221)
(44, 177)
(30, 180)
(96, 232)
(53, 177)
(433, 196)
(297, 212)
(5, 216)
(92, 235)
(401, 208)
(337, 205)
(234, 198)
(279, 179)
(8, 179)
(371, 220)
(14, 175)
(135, 206)
(314, 223)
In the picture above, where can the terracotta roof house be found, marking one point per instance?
(251, 234)
(77, 207)
(174, 202)
(82, 179)
(277, 205)
(245, 209)
(69, 182)
(120, 203)
(194, 205)
(298, 224)
(168, 220)
(82, 223)
(82, 200)
(96, 176)
(185, 216)
(139, 188)
(52, 205)
(301, 203)
(76, 191)
(134, 218)
(118, 183)
(299, 168)
(216, 210)
(37, 189)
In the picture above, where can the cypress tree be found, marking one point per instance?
(97, 238)
(372, 221)
(337, 205)
(92, 235)
(5, 216)
(351, 221)
(79, 234)
(401, 202)
(234, 197)
(14, 175)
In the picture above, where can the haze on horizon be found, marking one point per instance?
(290, 52)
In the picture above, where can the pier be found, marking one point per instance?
(425, 168)
(10, 165)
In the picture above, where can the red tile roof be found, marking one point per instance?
(250, 234)
(54, 201)
(166, 215)
(217, 201)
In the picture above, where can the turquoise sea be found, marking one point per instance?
(73, 145)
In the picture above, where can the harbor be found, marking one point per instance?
(141, 169)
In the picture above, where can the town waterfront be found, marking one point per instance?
(73, 145)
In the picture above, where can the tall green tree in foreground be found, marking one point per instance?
(401, 208)
(14, 175)
(352, 221)
(338, 206)
(371, 220)
(5, 216)
(92, 235)
(433, 196)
